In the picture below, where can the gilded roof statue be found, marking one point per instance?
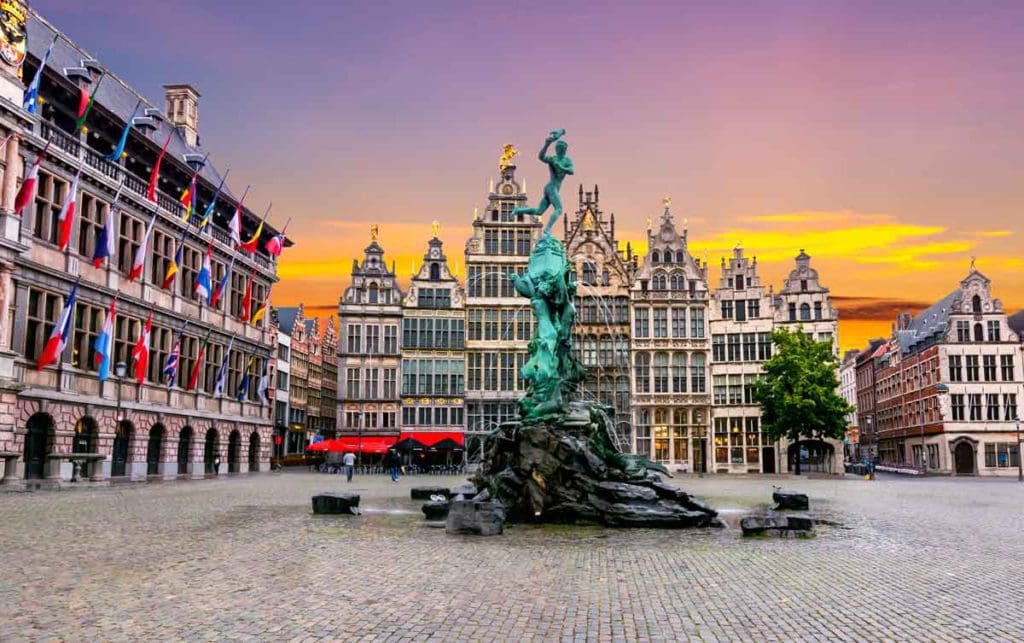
(506, 157)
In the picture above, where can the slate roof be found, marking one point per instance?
(1016, 322)
(928, 326)
(286, 319)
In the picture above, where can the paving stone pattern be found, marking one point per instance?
(245, 559)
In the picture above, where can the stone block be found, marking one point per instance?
(466, 489)
(622, 492)
(336, 503)
(788, 499)
(425, 493)
(474, 517)
(436, 509)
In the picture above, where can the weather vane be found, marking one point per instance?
(973, 259)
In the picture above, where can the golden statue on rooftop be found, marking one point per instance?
(374, 229)
(506, 157)
(436, 227)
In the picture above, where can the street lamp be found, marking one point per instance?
(120, 370)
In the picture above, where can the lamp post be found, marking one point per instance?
(120, 370)
(941, 389)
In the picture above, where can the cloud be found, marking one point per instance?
(875, 308)
(993, 234)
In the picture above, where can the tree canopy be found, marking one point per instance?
(799, 391)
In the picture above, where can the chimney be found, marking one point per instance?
(182, 109)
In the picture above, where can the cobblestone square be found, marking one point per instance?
(244, 559)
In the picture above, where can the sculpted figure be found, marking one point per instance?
(559, 167)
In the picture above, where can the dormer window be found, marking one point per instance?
(976, 304)
(435, 272)
(803, 285)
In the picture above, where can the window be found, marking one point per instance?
(963, 331)
(642, 373)
(697, 373)
(589, 274)
(282, 380)
(132, 231)
(355, 341)
(475, 373)
(191, 259)
(957, 403)
(979, 334)
(43, 313)
(955, 368)
(753, 308)
(88, 321)
(391, 339)
(972, 368)
(733, 347)
(1010, 407)
(1006, 367)
(697, 323)
(738, 282)
(741, 310)
(661, 373)
(160, 341)
(678, 373)
(792, 312)
(817, 310)
(93, 217)
(727, 309)
(718, 348)
(214, 358)
(764, 346)
(976, 304)
(658, 282)
(989, 365)
(1002, 454)
(749, 347)
(390, 383)
(589, 357)
(992, 406)
(606, 353)
(373, 339)
(524, 324)
(50, 196)
(508, 324)
(162, 252)
(641, 323)
(993, 330)
(352, 383)
(974, 406)
(805, 312)
(678, 323)
(660, 322)
(490, 324)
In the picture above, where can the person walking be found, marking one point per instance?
(392, 463)
(349, 460)
(216, 465)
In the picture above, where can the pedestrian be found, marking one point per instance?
(392, 462)
(216, 465)
(349, 460)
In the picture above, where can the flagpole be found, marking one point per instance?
(207, 217)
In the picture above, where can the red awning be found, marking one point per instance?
(430, 438)
(355, 444)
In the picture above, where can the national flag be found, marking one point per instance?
(222, 284)
(61, 332)
(264, 386)
(104, 341)
(27, 191)
(66, 219)
(118, 150)
(140, 354)
(243, 388)
(155, 174)
(174, 266)
(275, 246)
(218, 388)
(174, 358)
(139, 262)
(262, 310)
(107, 234)
(197, 368)
(31, 100)
(235, 225)
(208, 214)
(247, 298)
(85, 103)
(253, 244)
(204, 277)
(188, 198)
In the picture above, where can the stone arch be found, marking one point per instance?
(254, 451)
(234, 450)
(211, 450)
(39, 438)
(185, 439)
(121, 452)
(155, 449)
(86, 440)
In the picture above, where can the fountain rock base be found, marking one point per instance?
(566, 469)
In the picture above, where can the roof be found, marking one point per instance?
(929, 325)
(286, 319)
(1016, 322)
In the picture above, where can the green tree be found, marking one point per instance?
(798, 393)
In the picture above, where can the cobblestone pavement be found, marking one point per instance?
(243, 558)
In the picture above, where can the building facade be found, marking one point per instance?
(603, 278)
(499, 322)
(742, 320)
(866, 367)
(329, 379)
(670, 346)
(292, 324)
(60, 422)
(948, 386)
(848, 391)
(282, 384)
(369, 360)
(433, 378)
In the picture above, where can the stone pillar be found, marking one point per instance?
(12, 171)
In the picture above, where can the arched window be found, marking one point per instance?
(668, 256)
(659, 282)
(661, 373)
(606, 278)
(679, 417)
(697, 375)
(979, 335)
(680, 257)
(678, 281)
(805, 312)
(589, 274)
(642, 373)
(656, 257)
(435, 273)
(122, 452)
(679, 373)
(976, 304)
(39, 436)
(374, 294)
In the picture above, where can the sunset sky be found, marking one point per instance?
(886, 138)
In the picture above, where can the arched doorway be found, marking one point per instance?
(211, 449)
(234, 444)
(38, 444)
(122, 449)
(963, 457)
(254, 452)
(154, 449)
(86, 437)
(811, 456)
(184, 449)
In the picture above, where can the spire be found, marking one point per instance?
(596, 197)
